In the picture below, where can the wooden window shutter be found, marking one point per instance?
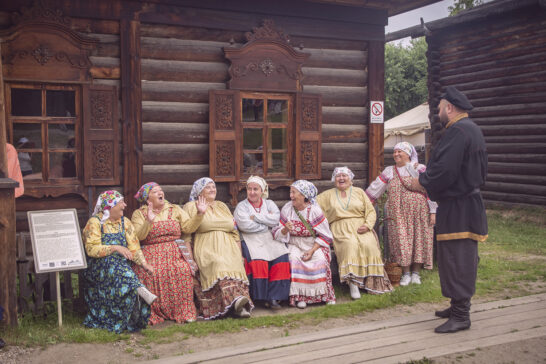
(308, 136)
(225, 135)
(100, 135)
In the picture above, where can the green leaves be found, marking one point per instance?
(405, 76)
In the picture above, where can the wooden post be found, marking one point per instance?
(8, 263)
(131, 104)
(59, 301)
(3, 154)
(376, 92)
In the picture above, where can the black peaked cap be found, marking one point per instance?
(457, 98)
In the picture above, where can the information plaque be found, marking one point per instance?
(56, 240)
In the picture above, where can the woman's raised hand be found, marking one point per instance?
(151, 215)
(202, 205)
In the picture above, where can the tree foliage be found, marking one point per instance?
(405, 76)
(461, 5)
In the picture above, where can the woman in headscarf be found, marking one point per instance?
(217, 251)
(352, 216)
(411, 214)
(306, 231)
(266, 259)
(112, 289)
(159, 225)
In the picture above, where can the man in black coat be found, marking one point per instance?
(454, 174)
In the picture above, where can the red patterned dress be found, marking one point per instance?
(172, 281)
(410, 231)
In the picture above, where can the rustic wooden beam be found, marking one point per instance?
(477, 14)
(236, 20)
(376, 92)
(131, 103)
(3, 138)
(8, 249)
(8, 264)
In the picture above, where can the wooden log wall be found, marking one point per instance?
(500, 64)
(181, 63)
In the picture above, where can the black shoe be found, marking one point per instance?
(274, 304)
(444, 313)
(2, 343)
(452, 326)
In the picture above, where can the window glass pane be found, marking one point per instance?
(253, 110)
(252, 163)
(252, 138)
(31, 165)
(277, 111)
(60, 103)
(61, 136)
(62, 165)
(26, 102)
(27, 135)
(277, 138)
(277, 163)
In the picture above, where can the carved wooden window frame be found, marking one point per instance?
(267, 64)
(226, 138)
(45, 122)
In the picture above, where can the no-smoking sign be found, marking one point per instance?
(376, 112)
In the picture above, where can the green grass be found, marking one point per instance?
(513, 263)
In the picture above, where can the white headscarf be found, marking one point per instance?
(260, 182)
(409, 150)
(198, 187)
(307, 189)
(344, 170)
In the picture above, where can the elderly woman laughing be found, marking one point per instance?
(217, 251)
(306, 231)
(352, 217)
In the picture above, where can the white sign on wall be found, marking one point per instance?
(377, 112)
(56, 240)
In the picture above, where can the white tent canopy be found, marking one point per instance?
(409, 126)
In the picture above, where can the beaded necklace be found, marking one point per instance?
(348, 200)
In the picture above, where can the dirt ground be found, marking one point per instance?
(528, 351)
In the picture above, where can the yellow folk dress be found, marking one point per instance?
(222, 273)
(358, 255)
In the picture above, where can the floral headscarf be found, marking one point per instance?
(144, 191)
(105, 202)
(198, 187)
(343, 169)
(260, 182)
(409, 150)
(307, 189)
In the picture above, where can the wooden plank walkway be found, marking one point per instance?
(391, 341)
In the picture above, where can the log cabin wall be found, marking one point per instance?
(500, 64)
(183, 59)
(178, 57)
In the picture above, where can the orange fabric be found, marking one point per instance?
(14, 170)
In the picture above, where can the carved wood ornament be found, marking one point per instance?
(42, 47)
(267, 62)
